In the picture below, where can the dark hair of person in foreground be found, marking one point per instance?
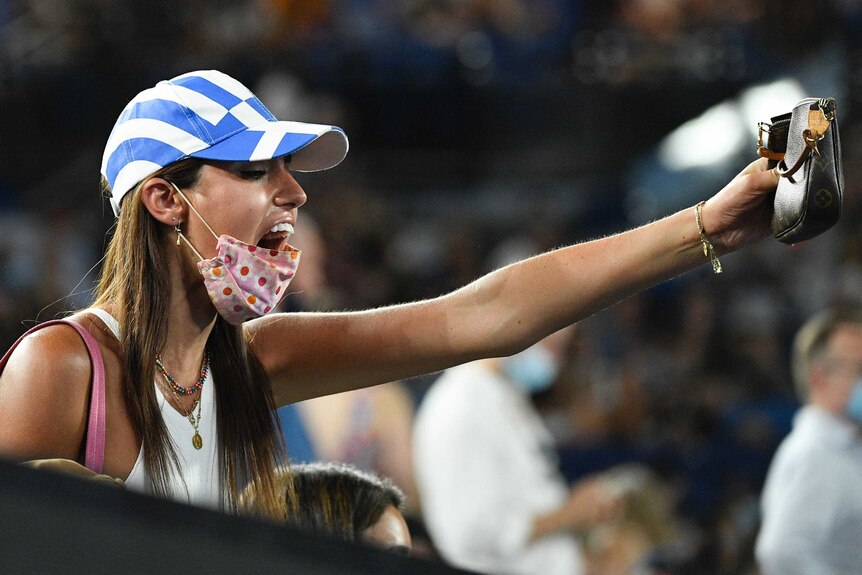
(339, 500)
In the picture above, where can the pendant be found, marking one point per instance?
(197, 441)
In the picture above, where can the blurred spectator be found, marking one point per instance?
(646, 528)
(812, 501)
(492, 497)
(368, 428)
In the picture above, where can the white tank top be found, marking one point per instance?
(199, 479)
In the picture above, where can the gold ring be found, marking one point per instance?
(775, 172)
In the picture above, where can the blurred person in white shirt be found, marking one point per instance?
(812, 500)
(485, 464)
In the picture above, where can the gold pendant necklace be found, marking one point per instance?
(197, 441)
(195, 420)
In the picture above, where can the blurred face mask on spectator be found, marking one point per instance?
(853, 408)
(533, 370)
(243, 281)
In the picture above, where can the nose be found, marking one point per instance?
(288, 193)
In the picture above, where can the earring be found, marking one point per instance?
(178, 230)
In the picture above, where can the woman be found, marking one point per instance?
(339, 500)
(199, 157)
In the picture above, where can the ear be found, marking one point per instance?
(163, 201)
(818, 379)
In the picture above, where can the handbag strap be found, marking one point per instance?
(820, 117)
(94, 458)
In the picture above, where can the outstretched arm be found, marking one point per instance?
(313, 354)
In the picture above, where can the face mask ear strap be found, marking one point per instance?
(197, 213)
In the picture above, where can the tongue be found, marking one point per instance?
(271, 241)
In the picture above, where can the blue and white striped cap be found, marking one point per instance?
(208, 115)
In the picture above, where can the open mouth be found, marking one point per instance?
(276, 237)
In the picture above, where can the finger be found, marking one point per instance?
(764, 181)
(758, 165)
(616, 507)
(107, 480)
(56, 465)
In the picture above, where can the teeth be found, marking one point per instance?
(285, 227)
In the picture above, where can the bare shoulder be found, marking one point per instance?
(44, 395)
(56, 349)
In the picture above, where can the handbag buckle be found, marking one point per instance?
(762, 150)
(827, 107)
(762, 127)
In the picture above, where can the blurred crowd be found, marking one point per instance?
(478, 128)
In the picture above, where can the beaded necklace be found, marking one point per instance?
(192, 389)
(179, 391)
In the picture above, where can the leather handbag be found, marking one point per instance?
(804, 148)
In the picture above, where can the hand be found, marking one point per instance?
(590, 502)
(70, 467)
(741, 212)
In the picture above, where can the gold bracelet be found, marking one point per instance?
(708, 250)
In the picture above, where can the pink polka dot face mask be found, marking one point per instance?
(244, 281)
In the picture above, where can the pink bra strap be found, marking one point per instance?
(95, 450)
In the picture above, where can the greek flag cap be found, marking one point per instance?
(208, 115)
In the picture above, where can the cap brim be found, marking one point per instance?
(314, 147)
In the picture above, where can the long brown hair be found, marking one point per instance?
(136, 283)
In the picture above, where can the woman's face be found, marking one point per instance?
(244, 200)
(390, 532)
